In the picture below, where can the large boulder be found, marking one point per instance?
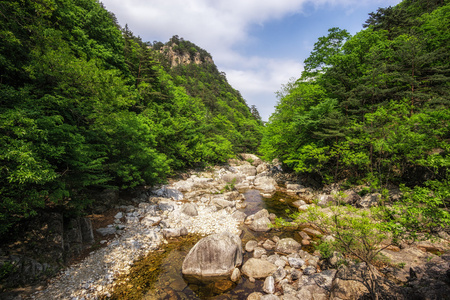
(216, 255)
(258, 268)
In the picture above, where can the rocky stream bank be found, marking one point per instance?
(240, 244)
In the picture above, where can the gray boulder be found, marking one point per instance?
(213, 256)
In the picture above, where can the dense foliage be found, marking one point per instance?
(86, 105)
(374, 106)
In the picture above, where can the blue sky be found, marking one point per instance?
(259, 44)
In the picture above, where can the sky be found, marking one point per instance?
(259, 44)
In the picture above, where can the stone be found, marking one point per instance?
(347, 283)
(289, 297)
(303, 207)
(368, 201)
(87, 234)
(239, 216)
(232, 178)
(222, 285)
(351, 197)
(295, 274)
(119, 215)
(296, 263)
(190, 209)
(258, 268)
(261, 224)
(247, 170)
(222, 203)
(299, 203)
(263, 213)
(251, 245)
(269, 244)
(325, 200)
(258, 252)
(174, 194)
(279, 274)
(166, 205)
(312, 232)
(236, 275)
(269, 297)
(232, 196)
(251, 158)
(265, 184)
(171, 232)
(309, 270)
(150, 221)
(269, 285)
(106, 231)
(280, 263)
(214, 255)
(254, 296)
(288, 245)
(335, 258)
(316, 286)
(293, 187)
(262, 168)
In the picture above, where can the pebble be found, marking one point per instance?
(93, 278)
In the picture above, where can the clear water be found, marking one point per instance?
(170, 283)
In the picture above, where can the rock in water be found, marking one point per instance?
(216, 255)
(258, 268)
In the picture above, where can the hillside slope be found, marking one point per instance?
(86, 105)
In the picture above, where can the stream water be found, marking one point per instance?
(168, 282)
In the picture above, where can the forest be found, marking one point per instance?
(86, 105)
(373, 109)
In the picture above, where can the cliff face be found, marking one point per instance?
(179, 57)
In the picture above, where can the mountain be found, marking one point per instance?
(86, 105)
